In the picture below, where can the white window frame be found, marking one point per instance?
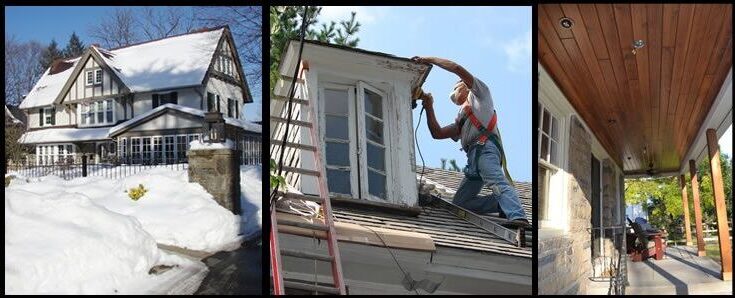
(557, 184)
(106, 103)
(48, 113)
(362, 145)
(154, 140)
(351, 114)
(48, 154)
(93, 77)
(98, 74)
(136, 156)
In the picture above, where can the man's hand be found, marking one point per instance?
(418, 59)
(450, 66)
(427, 101)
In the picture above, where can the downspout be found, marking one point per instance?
(201, 97)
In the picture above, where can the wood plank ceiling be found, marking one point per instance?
(655, 99)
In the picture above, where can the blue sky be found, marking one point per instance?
(493, 43)
(43, 23)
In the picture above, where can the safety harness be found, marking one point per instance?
(486, 133)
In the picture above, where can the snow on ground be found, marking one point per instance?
(251, 200)
(63, 243)
(174, 211)
(86, 235)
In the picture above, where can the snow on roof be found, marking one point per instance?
(48, 87)
(9, 115)
(60, 135)
(166, 63)
(249, 126)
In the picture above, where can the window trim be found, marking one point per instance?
(362, 111)
(556, 204)
(50, 116)
(93, 72)
(48, 154)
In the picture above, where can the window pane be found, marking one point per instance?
(337, 127)
(374, 129)
(335, 102)
(546, 121)
(554, 154)
(554, 128)
(376, 184)
(339, 181)
(544, 153)
(373, 104)
(146, 149)
(375, 157)
(338, 154)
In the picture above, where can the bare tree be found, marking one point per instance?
(22, 69)
(116, 29)
(164, 23)
(245, 23)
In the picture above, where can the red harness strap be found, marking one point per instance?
(485, 131)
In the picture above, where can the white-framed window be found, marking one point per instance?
(169, 149)
(48, 116)
(181, 146)
(135, 152)
(97, 113)
(50, 154)
(93, 77)
(356, 141)
(122, 150)
(548, 136)
(157, 150)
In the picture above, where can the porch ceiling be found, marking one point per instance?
(656, 99)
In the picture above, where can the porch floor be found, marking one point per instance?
(681, 272)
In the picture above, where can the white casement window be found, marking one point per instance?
(48, 116)
(549, 157)
(135, 152)
(97, 113)
(356, 141)
(169, 149)
(181, 146)
(93, 77)
(122, 150)
(54, 154)
(157, 150)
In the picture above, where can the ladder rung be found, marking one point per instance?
(295, 100)
(293, 145)
(305, 285)
(296, 196)
(305, 225)
(301, 171)
(290, 79)
(293, 122)
(307, 255)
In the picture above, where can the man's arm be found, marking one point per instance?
(437, 132)
(450, 66)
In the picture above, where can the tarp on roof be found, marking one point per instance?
(166, 63)
(63, 135)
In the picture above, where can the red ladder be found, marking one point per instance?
(323, 199)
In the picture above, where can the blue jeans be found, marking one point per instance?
(486, 169)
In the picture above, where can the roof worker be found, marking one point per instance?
(476, 127)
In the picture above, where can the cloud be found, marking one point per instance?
(518, 52)
(365, 15)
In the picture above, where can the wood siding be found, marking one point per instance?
(657, 98)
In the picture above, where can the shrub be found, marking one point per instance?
(136, 193)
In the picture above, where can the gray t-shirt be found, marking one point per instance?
(482, 105)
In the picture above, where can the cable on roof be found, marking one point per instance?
(405, 275)
(423, 164)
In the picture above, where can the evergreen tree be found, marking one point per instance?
(75, 47)
(51, 53)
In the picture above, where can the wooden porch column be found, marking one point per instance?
(719, 192)
(697, 208)
(685, 201)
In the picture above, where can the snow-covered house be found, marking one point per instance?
(142, 103)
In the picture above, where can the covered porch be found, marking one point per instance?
(654, 84)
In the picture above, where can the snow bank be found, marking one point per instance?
(200, 145)
(251, 200)
(65, 244)
(173, 211)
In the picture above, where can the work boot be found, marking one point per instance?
(520, 223)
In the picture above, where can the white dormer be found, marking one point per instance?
(364, 120)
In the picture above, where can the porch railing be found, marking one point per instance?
(614, 267)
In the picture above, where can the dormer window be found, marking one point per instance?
(93, 77)
(97, 113)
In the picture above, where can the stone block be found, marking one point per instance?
(218, 171)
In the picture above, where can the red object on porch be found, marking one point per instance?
(648, 245)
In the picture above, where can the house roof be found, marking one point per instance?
(63, 135)
(181, 60)
(445, 228)
(117, 129)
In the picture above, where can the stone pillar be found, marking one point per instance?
(685, 201)
(218, 171)
(719, 192)
(697, 208)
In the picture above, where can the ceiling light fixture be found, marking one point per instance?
(637, 44)
(566, 22)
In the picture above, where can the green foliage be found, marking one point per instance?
(136, 193)
(75, 47)
(452, 165)
(276, 180)
(50, 53)
(285, 24)
(7, 180)
(661, 197)
(14, 150)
